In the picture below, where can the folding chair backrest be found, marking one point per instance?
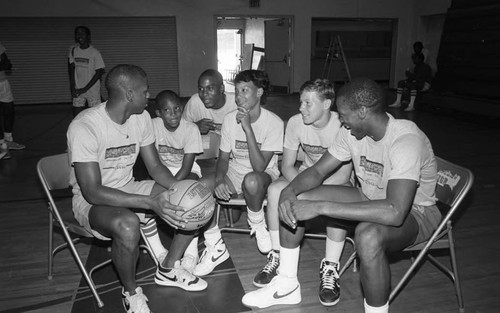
(453, 184)
(54, 170)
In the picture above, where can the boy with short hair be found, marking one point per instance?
(252, 135)
(177, 140)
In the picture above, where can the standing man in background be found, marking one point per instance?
(85, 67)
(7, 106)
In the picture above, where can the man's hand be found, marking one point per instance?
(222, 191)
(285, 208)
(205, 125)
(167, 211)
(304, 210)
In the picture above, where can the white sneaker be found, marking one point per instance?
(189, 262)
(262, 236)
(395, 105)
(409, 109)
(136, 303)
(211, 257)
(4, 152)
(281, 290)
(14, 145)
(179, 277)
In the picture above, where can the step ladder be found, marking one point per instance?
(335, 53)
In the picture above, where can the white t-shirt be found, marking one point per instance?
(268, 130)
(404, 152)
(195, 110)
(313, 140)
(86, 61)
(94, 137)
(172, 146)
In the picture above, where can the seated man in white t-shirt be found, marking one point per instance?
(103, 145)
(208, 107)
(252, 135)
(313, 130)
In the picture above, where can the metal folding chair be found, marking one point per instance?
(454, 182)
(53, 172)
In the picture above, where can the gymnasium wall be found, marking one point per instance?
(196, 27)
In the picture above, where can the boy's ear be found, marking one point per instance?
(327, 104)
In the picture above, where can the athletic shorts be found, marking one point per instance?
(81, 207)
(237, 178)
(5, 92)
(427, 217)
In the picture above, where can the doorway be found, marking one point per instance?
(251, 42)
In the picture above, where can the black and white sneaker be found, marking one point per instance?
(329, 288)
(269, 271)
(179, 277)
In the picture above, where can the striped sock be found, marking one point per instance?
(150, 231)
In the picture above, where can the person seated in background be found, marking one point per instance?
(313, 130)
(178, 142)
(394, 208)
(416, 81)
(208, 107)
(103, 145)
(252, 135)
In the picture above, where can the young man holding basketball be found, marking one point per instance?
(251, 135)
(103, 145)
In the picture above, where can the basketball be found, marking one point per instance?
(197, 199)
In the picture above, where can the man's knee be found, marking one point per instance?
(369, 240)
(126, 228)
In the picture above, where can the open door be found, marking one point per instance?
(277, 54)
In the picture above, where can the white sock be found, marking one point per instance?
(255, 217)
(289, 262)
(412, 101)
(212, 235)
(192, 249)
(150, 231)
(379, 309)
(8, 136)
(275, 239)
(333, 250)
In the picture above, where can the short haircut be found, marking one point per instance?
(212, 73)
(121, 74)
(258, 78)
(85, 28)
(323, 87)
(167, 95)
(363, 92)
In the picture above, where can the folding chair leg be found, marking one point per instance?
(50, 247)
(456, 278)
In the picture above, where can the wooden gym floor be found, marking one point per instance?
(471, 141)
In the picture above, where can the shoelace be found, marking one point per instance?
(137, 303)
(183, 275)
(328, 277)
(272, 264)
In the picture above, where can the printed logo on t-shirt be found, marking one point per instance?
(170, 150)
(243, 145)
(370, 166)
(310, 149)
(82, 60)
(117, 152)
